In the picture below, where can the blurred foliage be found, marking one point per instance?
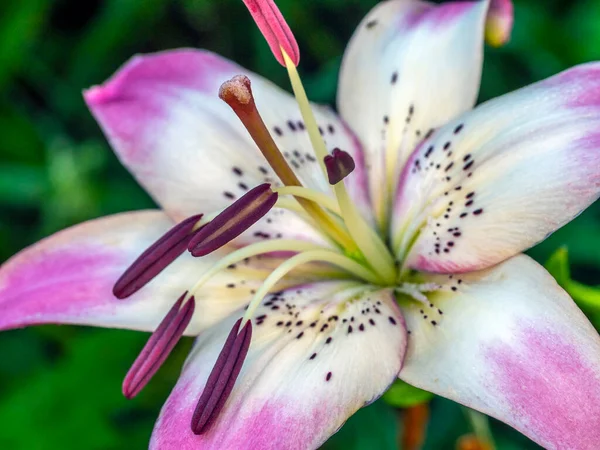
(60, 386)
(403, 395)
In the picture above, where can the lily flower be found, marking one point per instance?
(338, 253)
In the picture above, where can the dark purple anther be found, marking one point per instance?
(222, 378)
(339, 165)
(233, 221)
(159, 346)
(156, 258)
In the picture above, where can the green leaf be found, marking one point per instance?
(403, 395)
(558, 266)
(587, 297)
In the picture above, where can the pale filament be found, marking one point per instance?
(275, 245)
(328, 256)
(368, 241)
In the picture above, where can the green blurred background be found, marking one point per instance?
(60, 386)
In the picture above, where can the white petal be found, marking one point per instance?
(511, 343)
(499, 179)
(300, 381)
(410, 67)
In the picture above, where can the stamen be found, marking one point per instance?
(156, 258)
(275, 245)
(367, 240)
(339, 165)
(274, 28)
(159, 346)
(233, 221)
(312, 128)
(416, 290)
(328, 256)
(222, 378)
(318, 197)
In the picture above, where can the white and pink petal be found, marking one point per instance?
(163, 117)
(410, 67)
(318, 353)
(69, 278)
(499, 179)
(509, 342)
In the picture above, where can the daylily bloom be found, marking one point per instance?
(309, 299)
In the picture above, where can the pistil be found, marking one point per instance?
(237, 93)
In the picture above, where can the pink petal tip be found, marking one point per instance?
(499, 22)
(275, 29)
